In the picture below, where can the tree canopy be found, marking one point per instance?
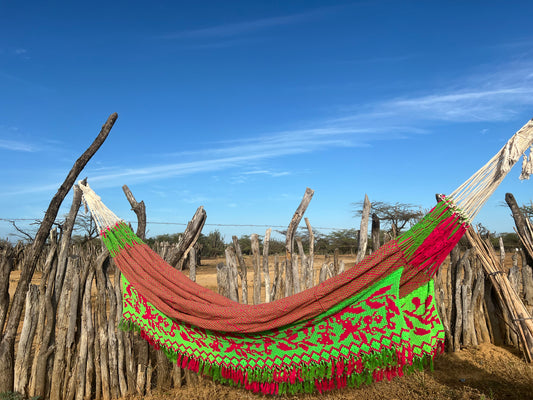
(393, 215)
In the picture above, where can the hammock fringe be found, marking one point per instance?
(322, 377)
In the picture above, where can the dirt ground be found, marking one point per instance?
(486, 372)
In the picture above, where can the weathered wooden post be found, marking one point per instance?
(375, 232)
(257, 270)
(363, 231)
(266, 272)
(22, 362)
(231, 262)
(311, 258)
(243, 273)
(303, 257)
(293, 281)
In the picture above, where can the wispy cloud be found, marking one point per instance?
(13, 145)
(380, 60)
(266, 172)
(26, 84)
(489, 97)
(483, 98)
(237, 33)
(240, 28)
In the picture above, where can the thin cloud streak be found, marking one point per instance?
(16, 146)
(247, 27)
(486, 98)
(235, 29)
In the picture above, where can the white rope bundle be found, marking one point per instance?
(472, 194)
(527, 165)
(103, 216)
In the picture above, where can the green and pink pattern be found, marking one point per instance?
(368, 337)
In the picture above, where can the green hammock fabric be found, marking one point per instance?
(368, 337)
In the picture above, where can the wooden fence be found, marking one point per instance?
(70, 346)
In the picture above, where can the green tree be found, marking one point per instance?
(245, 244)
(345, 240)
(393, 215)
(212, 245)
(166, 237)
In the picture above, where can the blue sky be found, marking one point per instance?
(240, 105)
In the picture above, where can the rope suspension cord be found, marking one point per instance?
(473, 194)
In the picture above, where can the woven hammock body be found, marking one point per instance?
(376, 320)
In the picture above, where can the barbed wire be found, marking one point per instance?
(185, 224)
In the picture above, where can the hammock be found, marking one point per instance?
(376, 320)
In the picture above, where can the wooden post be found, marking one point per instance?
(45, 324)
(480, 322)
(341, 267)
(468, 331)
(305, 268)
(188, 239)
(222, 279)
(502, 251)
(375, 232)
(64, 244)
(123, 346)
(527, 283)
(71, 359)
(233, 285)
(22, 362)
(140, 211)
(458, 303)
(295, 274)
(59, 366)
(440, 300)
(257, 270)
(521, 223)
(363, 232)
(336, 262)
(243, 273)
(311, 259)
(6, 264)
(112, 337)
(192, 264)
(102, 265)
(277, 278)
(84, 373)
(266, 272)
(97, 361)
(511, 303)
(326, 272)
(293, 281)
(514, 276)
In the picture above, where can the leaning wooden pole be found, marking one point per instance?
(7, 343)
(520, 318)
(291, 277)
(521, 223)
